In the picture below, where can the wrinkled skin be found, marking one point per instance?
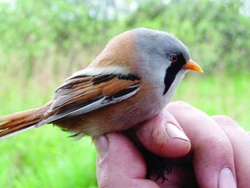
(213, 151)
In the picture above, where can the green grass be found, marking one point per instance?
(46, 157)
(226, 94)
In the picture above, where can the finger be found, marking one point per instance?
(240, 140)
(163, 136)
(212, 153)
(119, 163)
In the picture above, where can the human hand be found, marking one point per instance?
(218, 157)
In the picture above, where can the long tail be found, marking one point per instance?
(21, 121)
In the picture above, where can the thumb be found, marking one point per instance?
(119, 163)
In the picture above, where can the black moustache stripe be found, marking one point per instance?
(171, 73)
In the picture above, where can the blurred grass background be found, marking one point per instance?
(43, 42)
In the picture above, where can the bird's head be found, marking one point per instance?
(165, 57)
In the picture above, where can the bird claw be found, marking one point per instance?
(158, 166)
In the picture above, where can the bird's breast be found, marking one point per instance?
(116, 117)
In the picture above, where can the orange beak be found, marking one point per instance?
(191, 65)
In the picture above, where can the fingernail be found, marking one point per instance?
(226, 179)
(175, 132)
(102, 145)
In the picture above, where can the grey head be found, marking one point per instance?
(160, 42)
(165, 57)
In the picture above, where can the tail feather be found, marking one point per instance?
(20, 121)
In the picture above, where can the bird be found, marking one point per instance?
(129, 82)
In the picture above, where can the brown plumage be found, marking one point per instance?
(131, 80)
(74, 92)
(21, 120)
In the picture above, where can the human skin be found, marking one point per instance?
(203, 151)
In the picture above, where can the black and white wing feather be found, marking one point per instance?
(83, 93)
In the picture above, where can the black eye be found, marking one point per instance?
(173, 58)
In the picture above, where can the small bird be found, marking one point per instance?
(130, 81)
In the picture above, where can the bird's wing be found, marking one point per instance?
(83, 93)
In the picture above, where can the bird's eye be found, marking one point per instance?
(173, 58)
